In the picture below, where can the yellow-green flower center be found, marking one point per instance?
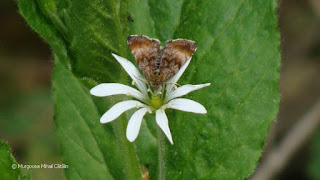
(156, 101)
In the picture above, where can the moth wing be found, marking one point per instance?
(145, 52)
(174, 54)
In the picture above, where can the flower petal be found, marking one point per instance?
(186, 105)
(177, 76)
(135, 123)
(185, 89)
(109, 89)
(133, 72)
(115, 111)
(162, 121)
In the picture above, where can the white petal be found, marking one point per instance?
(177, 76)
(109, 89)
(115, 111)
(133, 72)
(162, 121)
(135, 123)
(185, 89)
(186, 105)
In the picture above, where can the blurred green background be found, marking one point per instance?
(26, 107)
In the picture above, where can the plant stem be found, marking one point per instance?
(161, 155)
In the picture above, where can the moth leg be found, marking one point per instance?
(175, 85)
(141, 79)
(149, 89)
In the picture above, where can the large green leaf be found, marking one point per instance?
(9, 168)
(82, 35)
(238, 53)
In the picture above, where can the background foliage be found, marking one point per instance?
(159, 36)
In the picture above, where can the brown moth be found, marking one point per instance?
(159, 64)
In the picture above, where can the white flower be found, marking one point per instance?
(148, 101)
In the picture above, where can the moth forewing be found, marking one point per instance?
(159, 64)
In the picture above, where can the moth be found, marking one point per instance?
(158, 64)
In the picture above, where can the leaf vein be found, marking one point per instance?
(96, 36)
(80, 146)
(81, 117)
(223, 31)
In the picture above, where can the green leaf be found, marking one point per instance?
(83, 34)
(238, 53)
(9, 166)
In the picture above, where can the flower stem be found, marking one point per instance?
(161, 155)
